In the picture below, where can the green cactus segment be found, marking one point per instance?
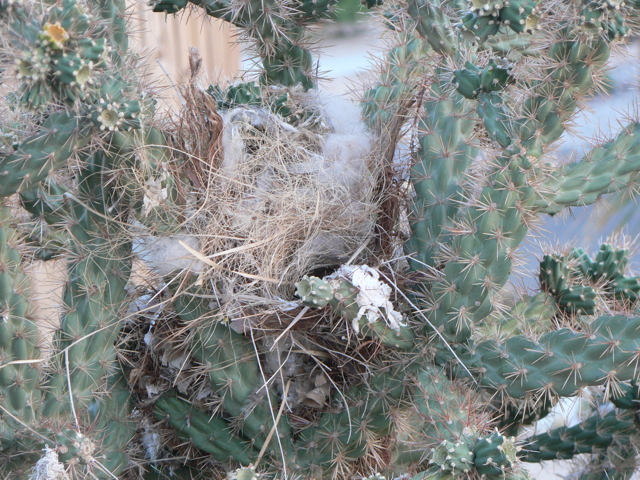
(444, 411)
(95, 295)
(114, 12)
(114, 113)
(48, 202)
(593, 435)
(446, 152)
(603, 170)
(472, 81)
(480, 261)
(520, 15)
(208, 433)
(553, 103)
(289, 65)
(345, 304)
(484, 85)
(234, 373)
(485, 18)
(49, 209)
(250, 94)
(531, 314)
(600, 18)
(235, 95)
(244, 473)
(349, 431)
(519, 414)
(559, 363)
(442, 415)
(607, 272)
(379, 104)
(19, 395)
(60, 55)
(476, 262)
(486, 7)
(95, 446)
(156, 203)
(343, 297)
(577, 300)
(479, 28)
(402, 339)
(609, 263)
(278, 31)
(494, 455)
(629, 397)
(111, 428)
(314, 292)
(494, 117)
(554, 274)
(48, 150)
(616, 463)
(554, 278)
(456, 458)
(433, 24)
(447, 419)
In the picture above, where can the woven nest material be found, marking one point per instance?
(271, 202)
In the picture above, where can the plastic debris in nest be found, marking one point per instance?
(49, 467)
(373, 297)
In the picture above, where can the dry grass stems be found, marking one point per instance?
(269, 202)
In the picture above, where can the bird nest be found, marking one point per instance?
(268, 201)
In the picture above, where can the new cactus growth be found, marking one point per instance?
(210, 327)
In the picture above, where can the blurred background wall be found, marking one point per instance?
(167, 38)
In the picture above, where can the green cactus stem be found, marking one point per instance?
(20, 397)
(433, 24)
(608, 271)
(593, 435)
(494, 455)
(93, 299)
(558, 363)
(605, 169)
(234, 373)
(59, 137)
(210, 434)
(348, 301)
(554, 278)
(446, 152)
(456, 458)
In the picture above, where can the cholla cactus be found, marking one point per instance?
(270, 328)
